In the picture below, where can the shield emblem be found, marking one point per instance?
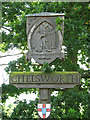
(44, 110)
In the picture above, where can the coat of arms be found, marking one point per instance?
(44, 110)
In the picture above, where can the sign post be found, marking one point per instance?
(44, 44)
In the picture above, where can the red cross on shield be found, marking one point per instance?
(44, 110)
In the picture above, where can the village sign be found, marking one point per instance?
(44, 41)
(44, 44)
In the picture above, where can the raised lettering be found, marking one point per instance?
(54, 78)
(74, 78)
(21, 78)
(45, 78)
(14, 79)
(68, 78)
(38, 78)
(29, 78)
(78, 78)
(61, 79)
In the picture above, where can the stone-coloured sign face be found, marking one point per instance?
(44, 41)
(42, 80)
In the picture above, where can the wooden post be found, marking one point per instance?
(44, 97)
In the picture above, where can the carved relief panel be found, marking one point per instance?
(44, 41)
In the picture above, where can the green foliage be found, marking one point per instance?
(23, 110)
(22, 64)
(62, 65)
(59, 22)
(68, 102)
(10, 90)
(72, 114)
(46, 68)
